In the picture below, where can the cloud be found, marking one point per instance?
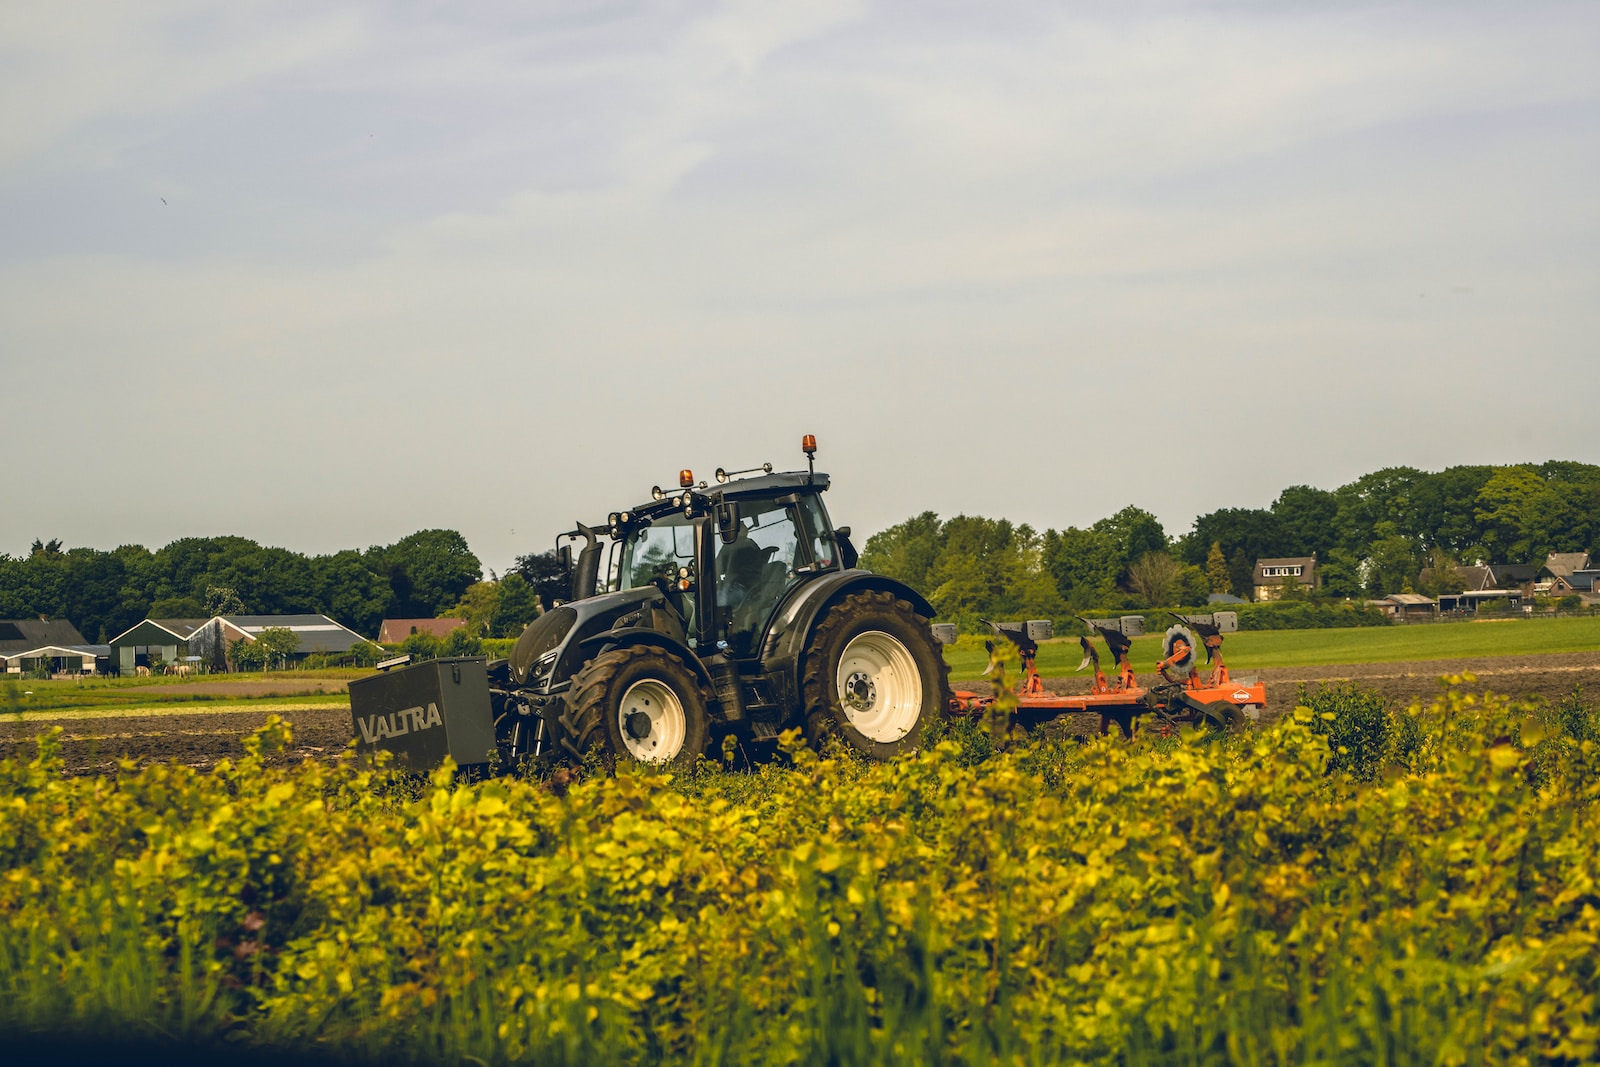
(491, 271)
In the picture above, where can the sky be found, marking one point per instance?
(323, 274)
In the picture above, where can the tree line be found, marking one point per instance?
(1395, 530)
(427, 574)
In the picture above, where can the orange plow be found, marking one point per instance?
(1182, 691)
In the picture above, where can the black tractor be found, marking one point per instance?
(710, 610)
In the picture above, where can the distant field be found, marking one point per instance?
(1260, 649)
(212, 692)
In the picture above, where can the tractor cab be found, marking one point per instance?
(728, 555)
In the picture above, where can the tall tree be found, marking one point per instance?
(1305, 520)
(1217, 570)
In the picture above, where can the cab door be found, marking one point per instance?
(759, 556)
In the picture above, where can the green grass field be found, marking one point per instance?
(240, 692)
(1259, 649)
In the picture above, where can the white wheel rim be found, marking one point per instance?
(879, 687)
(651, 722)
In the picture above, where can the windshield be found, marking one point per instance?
(659, 550)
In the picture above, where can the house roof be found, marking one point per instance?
(1411, 600)
(1563, 564)
(97, 651)
(1503, 574)
(1475, 578)
(1585, 579)
(1308, 565)
(317, 633)
(178, 629)
(21, 635)
(1225, 598)
(394, 631)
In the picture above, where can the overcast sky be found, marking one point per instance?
(323, 274)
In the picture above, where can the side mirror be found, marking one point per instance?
(728, 522)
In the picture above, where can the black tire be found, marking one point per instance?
(1223, 715)
(872, 613)
(648, 678)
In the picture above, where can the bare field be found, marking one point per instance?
(201, 737)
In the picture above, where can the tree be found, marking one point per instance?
(429, 571)
(420, 645)
(518, 606)
(1305, 517)
(1254, 531)
(907, 552)
(1153, 577)
(246, 655)
(1341, 573)
(1216, 572)
(366, 653)
(1135, 533)
(1084, 565)
(178, 607)
(223, 600)
(478, 607)
(546, 578)
(1192, 586)
(276, 643)
(1241, 574)
(1505, 510)
(1440, 576)
(461, 642)
(1393, 561)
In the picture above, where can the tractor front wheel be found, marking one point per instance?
(873, 676)
(639, 705)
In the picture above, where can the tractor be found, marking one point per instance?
(711, 610)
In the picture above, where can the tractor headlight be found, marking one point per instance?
(545, 663)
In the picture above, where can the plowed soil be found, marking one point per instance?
(201, 738)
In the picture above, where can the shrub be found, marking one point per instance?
(1356, 722)
(461, 642)
(1197, 900)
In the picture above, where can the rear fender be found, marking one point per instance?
(797, 617)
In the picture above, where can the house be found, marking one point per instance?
(1556, 576)
(158, 640)
(394, 631)
(1518, 576)
(1270, 575)
(26, 642)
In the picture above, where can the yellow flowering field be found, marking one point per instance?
(1405, 887)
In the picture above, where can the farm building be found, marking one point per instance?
(25, 642)
(394, 631)
(317, 634)
(153, 641)
(1406, 606)
(1474, 600)
(1271, 574)
(206, 641)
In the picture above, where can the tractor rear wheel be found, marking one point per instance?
(638, 705)
(873, 676)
